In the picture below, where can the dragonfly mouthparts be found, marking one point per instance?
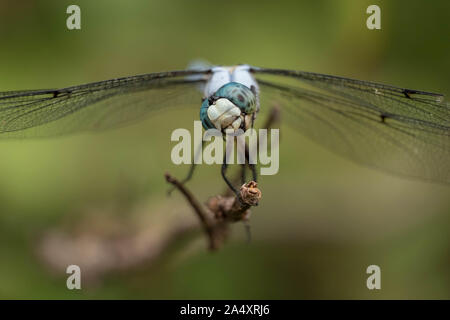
(224, 114)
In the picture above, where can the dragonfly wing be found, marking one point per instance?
(96, 106)
(402, 131)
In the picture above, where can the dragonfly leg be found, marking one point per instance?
(254, 173)
(243, 174)
(191, 169)
(252, 166)
(190, 173)
(224, 171)
(186, 179)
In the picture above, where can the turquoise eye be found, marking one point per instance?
(207, 124)
(239, 95)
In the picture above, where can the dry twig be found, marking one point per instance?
(220, 210)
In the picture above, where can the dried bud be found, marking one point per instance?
(250, 194)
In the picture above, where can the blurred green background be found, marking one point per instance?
(322, 219)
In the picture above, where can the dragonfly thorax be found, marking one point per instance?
(233, 106)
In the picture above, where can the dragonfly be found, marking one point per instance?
(397, 130)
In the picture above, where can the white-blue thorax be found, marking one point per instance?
(223, 75)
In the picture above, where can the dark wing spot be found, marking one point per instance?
(240, 97)
(407, 93)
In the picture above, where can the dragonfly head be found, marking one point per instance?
(233, 106)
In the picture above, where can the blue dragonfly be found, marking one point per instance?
(398, 130)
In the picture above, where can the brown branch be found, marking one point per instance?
(202, 215)
(220, 210)
(206, 222)
(104, 241)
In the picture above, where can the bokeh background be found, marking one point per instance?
(322, 219)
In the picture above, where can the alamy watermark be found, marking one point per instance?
(74, 280)
(209, 147)
(374, 280)
(373, 22)
(73, 22)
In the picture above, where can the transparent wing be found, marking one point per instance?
(96, 106)
(402, 131)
